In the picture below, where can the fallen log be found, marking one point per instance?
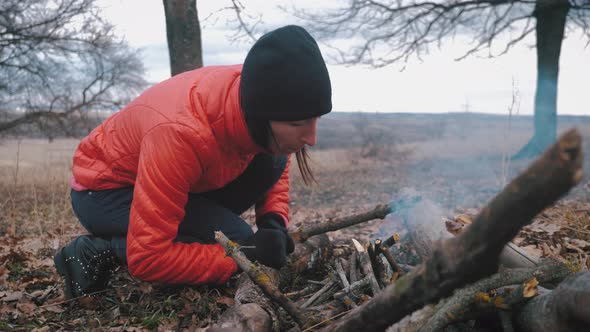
(458, 306)
(566, 308)
(474, 254)
(511, 257)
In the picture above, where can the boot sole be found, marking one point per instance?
(62, 268)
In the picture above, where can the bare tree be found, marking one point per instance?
(184, 35)
(58, 61)
(387, 31)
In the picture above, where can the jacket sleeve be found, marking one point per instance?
(168, 163)
(276, 199)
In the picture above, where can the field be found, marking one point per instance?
(459, 161)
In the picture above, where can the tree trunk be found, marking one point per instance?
(551, 17)
(184, 35)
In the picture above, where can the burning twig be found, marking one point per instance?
(390, 259)
(260, 278)
(474, 253)
(378, 212)
(391, 240)
(304, 232)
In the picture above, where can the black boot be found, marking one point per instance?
(86, 264)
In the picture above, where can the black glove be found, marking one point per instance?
(271, 243)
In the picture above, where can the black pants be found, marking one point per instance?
(105, 213)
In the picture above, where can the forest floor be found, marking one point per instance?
(459, 163)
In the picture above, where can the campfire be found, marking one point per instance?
(454, 279)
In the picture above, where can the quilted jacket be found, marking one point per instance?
(186, 134)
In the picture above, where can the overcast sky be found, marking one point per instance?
(438, 84)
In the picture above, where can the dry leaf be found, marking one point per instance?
(482, 297)
(8, 296)
(548, 228)
(454, 227)
(228, 301)
(56, 308)
(27, 307)
(533, 250)
(499, 303)
(576, 244)
(464, 219)
(88, 302)
(41, 329)
(146, 288)
(530, 288)
(192, 295)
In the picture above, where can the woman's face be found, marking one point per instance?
(292, 136)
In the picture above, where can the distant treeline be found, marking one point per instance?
(341, 129)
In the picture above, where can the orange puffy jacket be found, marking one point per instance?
(186, 134)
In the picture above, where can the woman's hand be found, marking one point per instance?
(271, 244)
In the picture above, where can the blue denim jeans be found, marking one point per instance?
(105, 213)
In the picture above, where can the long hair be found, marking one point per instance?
(304, 169)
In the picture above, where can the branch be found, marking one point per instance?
(259, 277)
(474, 254)
(304, 232)
(378, 212)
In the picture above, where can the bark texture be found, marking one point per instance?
(566, 308)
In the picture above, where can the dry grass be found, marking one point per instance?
(34, 178)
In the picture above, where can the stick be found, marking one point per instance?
(319, 293)
(391, 240)
(353, 267)
(303, 233)
(341, 274)
(391, 260)
(366, 267)
(474, 254)
(259, 277)
(352, 288)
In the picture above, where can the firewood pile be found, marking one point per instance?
(470, 277)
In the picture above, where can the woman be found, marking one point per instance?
(154, 181)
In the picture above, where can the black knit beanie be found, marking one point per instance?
(284, 78)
